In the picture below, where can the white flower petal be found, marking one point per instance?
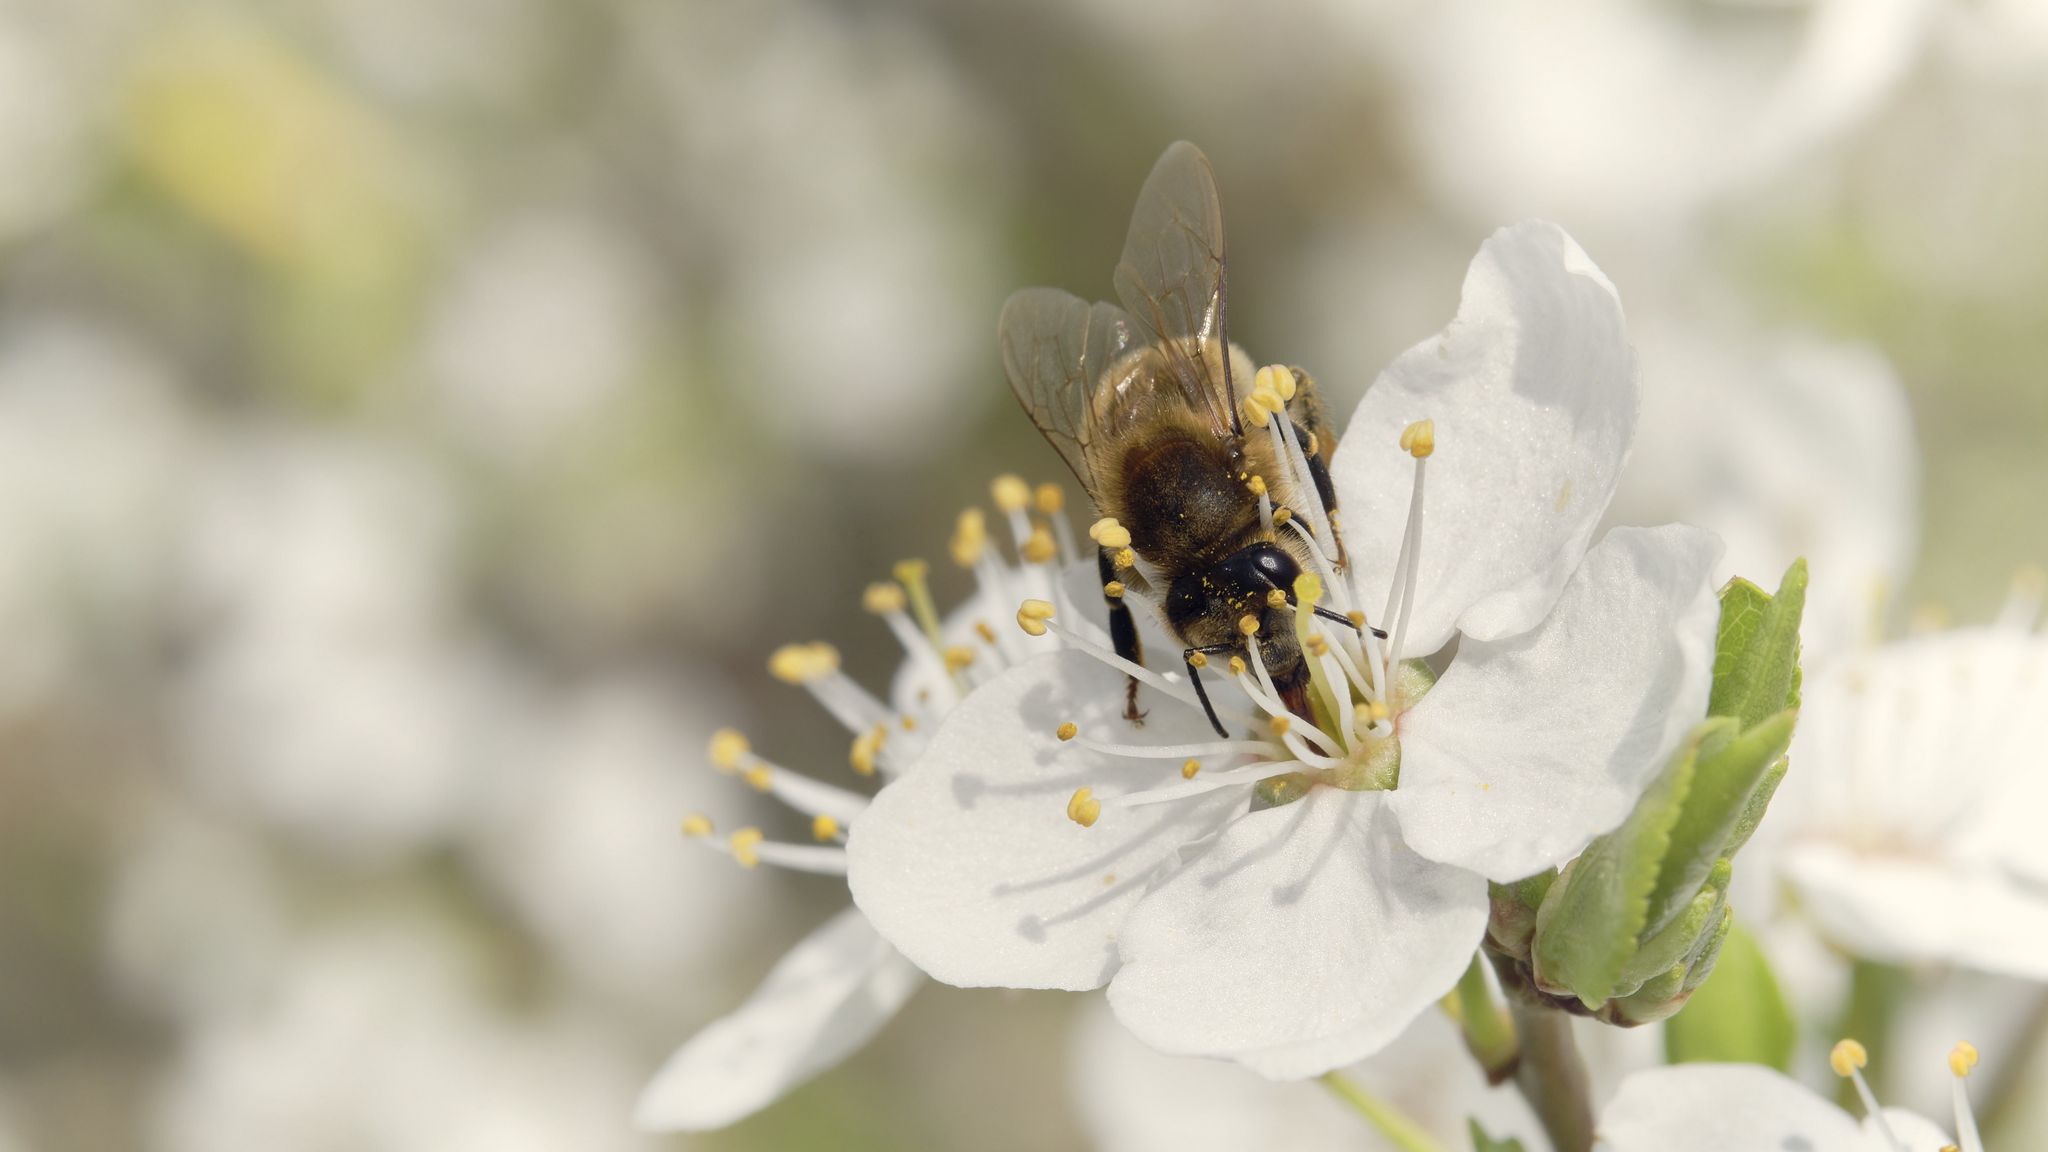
(1906, 910)
(1528, 748)
(1307, 938)
(822, 1001)
(1533, 391)
(969, 863)
(1720, 1108)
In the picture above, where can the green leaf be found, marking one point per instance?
(1756, 654)
(1590, 921)
(1759, 801)
(1728, 773)
(1481, 1142)
(1737, 1015)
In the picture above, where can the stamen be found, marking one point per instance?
(888, 601)
(1961, 1059)
(696, 826)
(1051, 500)
(911, 574)
(825, 829)
(728, 750)
(744, 846)
(1115, 591)
(1110, 534)
(1172, 689)
(866, 748)
(1039, 547)
(803, 663)
(1124, 559)
(970, 537)
(1249, 625)
(1011, 493)
(1032, 616)
(808, 796)
(1241, 776)
(1084, 808)
(882, 599)
(1848, 1059)
(958, 657)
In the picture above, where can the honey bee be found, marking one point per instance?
(1142, 402)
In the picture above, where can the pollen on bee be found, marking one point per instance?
(1011, 493)
(1314, 446)
(1248, 624)
(970, 536)
(1419, 439)
(1039, 547)
(1188, 770)
(1067, 730)
(882, 599)
(1084, 808)
(744, 845)
(1276, 599)
(1110, 534)
(728, 747)
(824, 828)
(1125, 559)
(1114, 589)
(1049, 499)
(697, 825)
(1032, 615)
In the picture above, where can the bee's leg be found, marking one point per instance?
(1318, 444)
(1195, 678)
(1348, 622)
(1123, 633)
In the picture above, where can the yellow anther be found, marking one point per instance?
(1011, 493)
(1846, 1057)
(866, 747)
(1282, 515)
(1257, 485)
(1377, 710)
(1039, 547)
(1237, 666)
(1275, 378)
(1962, 1058)
(1282, 725)
(824, 828)
(909, 723)
(1049, 499)
(1032, 615)
(1188, 770)
(1198, 660)
(1110, 534)
(1248, 624)
(1254, 411)
(1308, 588)
(1317, 646)
(728, 748)
(1084, 807)
(910, 571)
(1125, 559)
(1067, 730)
(803, 663)
(1419, 439)
(697, 825)
(987, 634)
(882, 599)
(761, 777)
(1357, 617)
(1114, 589)
(970, 536)
(1275, 598)
(957, 657)
(744, 846)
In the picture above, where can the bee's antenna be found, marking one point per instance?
(1348, 622)
(1201, 693)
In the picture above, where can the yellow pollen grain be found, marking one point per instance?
(1067, 730)
(1084, 807)
(910, 571)
(1237, 666)
(697, 825)
(1114, 589)
(866, 747)
(1039, 547)
(1276, 599)
(1419, 439)
(1377, 710)
(987, 634)
(1049, 499)
(1188, 770)
(1282, 725)
(1010, 493)
(1318, 646)
(824, 828)
(1110, 534)
(728, 747)
(1032, 615)
(970, 536)
(1257, 484)
(1125, 559)
(803, 663)
(958, 657)
(1846, 1057)
(909, 723)
(1962, 1058)
(1248, 624)
(761, 777)
(1198, 660)
(745, 845)
(882, 599)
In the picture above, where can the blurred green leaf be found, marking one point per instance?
(1756, 654)
(1726, 776)
(1481, 1142)
(1738, 1015)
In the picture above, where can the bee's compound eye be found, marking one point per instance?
(1277, 566)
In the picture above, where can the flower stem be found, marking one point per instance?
(1405, 1133)
(1489, 1030)
(1552, 1077)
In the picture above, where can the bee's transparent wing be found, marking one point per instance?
(1055, 349)
(1171, 280)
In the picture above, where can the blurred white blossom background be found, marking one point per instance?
(418, 423)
